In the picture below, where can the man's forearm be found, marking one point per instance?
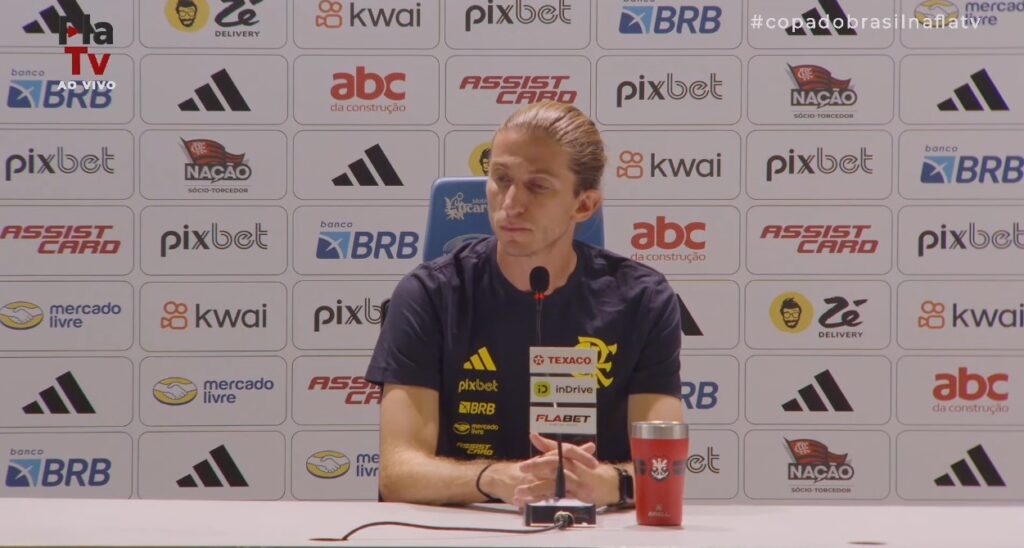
(409, 476)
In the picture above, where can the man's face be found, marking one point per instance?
(530, 194)
(187, 15)
(791, 316)
(485, 164)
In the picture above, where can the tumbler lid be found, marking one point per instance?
(660, 430)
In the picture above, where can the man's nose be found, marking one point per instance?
(515, 200)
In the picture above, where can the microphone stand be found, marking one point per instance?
(558, 509)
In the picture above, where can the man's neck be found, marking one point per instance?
(560, 260)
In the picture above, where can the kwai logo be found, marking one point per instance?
(639, 165)
(176, 317)
(333, 15)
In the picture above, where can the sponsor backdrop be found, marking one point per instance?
(205, 202)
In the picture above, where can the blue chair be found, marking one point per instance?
(458, 214)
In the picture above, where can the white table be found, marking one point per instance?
(81, 522)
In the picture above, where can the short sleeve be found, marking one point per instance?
(408, 350)
(657, 368)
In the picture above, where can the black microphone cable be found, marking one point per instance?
(563, 520)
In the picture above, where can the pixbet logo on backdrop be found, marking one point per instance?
(638, 165)
(65, 239)
(365, 313)
(965, 392)
(670, 239)
(825, 239)
(363, 85)
(523, 89)
(353, 244)
(357, 390)
(34, 162)
(518, 12)
(332, 15)
(647, 89)
(683, 19)
(972, 237)
(215, 238)
(817, 163)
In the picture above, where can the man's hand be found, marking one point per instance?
(534, 479)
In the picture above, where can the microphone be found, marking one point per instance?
(540, 280)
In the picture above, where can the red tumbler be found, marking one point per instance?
(659, 452)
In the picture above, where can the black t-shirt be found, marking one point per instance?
(457, 325)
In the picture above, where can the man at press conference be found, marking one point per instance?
(475, 306)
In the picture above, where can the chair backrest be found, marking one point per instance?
(458, 214)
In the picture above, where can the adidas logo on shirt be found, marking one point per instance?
(481, 361)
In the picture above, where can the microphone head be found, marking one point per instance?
(539, 279)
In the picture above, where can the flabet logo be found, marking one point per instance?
(634, 165)
(519, 13)
(814, 462)
(65, 239)
(175, 391)
(358, 390)
(43, 163)
(176, 317)
(332, 16)
(55, 472)
(523, 89)
(21, 315)
(328, 464)
(684, 19)
(825, 239)
(456, 208)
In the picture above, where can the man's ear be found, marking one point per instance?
(586, 204)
